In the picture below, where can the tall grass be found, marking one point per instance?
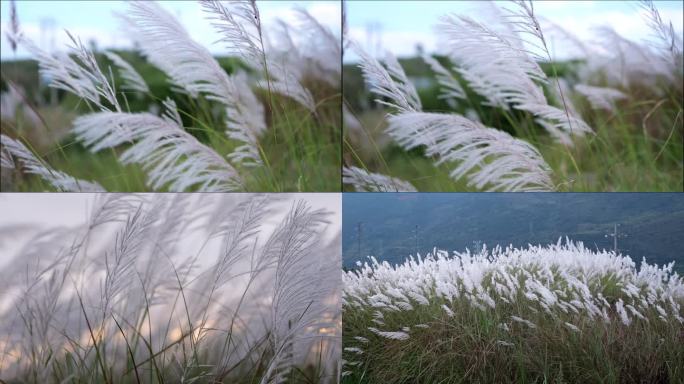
(269, 123)
(556, 313)
(175, 288)
(503, 115)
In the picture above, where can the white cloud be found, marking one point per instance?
(399, 43)
(190, 15)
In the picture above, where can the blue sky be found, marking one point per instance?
(44, 21)
(399, 26)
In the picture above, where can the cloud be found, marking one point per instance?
(191, 16)
(399, 43)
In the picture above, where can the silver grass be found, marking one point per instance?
(324, 48)
(282, 80)
(364, 181)
(451, 88)
(131, 77)
(600, 97)
(133, 269)
(189, 65)
(77, 72)
(59, 180)
(670, 41)
(499, 161)
(629, 62)
(6, 160)
(524, 21)
(490, 159)
(503, 73)
(13, 32)
(245, 124)
(388, 81)
(172, 157)
(240, 25)
(299, 289)
(119, 263)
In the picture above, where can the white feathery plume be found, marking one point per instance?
(247, 123)
(572, 327)
(503, 73)
(299, 285)
(487, 157)
(503, 69)
(60, 180)
(356, 350)
(240, 25)
(77, 73)
(351, 122)
(559, 123)
(390, 82)
(6, 160)
(324, 47)
(131, 77)
(189, 65)
(620, 308)
(600, 97)
(451, 87)
(284, 81)
(523, 321)
(171, 156)
(629, 62)
(670, 42)
(167, 45)
(390, 335)
(364, 181)
(563, 275)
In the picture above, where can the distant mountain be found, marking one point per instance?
(653, 222)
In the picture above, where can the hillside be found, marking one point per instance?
(654, 223)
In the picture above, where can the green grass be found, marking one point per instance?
(464, 348)
(638, 147)
(300, 150)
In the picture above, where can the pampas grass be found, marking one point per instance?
(559, 312)
(570, 119)
(247, 123)
(374, 182)
(175, 288)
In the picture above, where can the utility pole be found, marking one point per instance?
(615, 235)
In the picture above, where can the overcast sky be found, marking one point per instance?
(44, 21)
(35, 211)
(405, 24)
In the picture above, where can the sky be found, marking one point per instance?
(44, 21)
(372, 23)
(34, 211)
(408, 23)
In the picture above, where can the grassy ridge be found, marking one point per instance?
(556, 314)
(302, 151)
(637, 147)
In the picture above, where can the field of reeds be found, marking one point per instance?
(543, 314)
(169, 116)
(496, 111)
(174, 288)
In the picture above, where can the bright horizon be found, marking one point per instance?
(411, 23)
(44, 22)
